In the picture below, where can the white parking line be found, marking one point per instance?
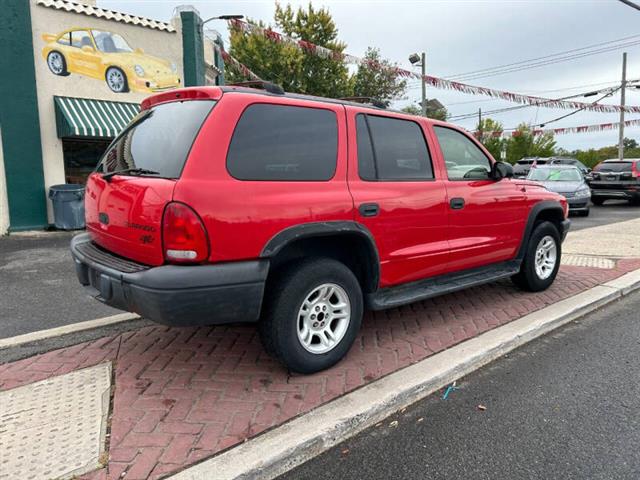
(66, 329)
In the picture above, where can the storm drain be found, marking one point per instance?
(587, 261)
(55, 428)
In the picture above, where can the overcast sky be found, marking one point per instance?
(463, 36)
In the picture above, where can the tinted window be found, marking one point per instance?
(463, 158)
(158, 139)
(64, 40)
(614, 167)
(391, 149)
(279, 142)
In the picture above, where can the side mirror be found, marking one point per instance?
(87, 48)
(501, 170)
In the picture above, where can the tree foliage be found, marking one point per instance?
(435, 113)
(298, 71)
(489, 132)
(376, 78)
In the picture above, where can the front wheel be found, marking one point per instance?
(313, 312)
(541, 260)
(116, 80)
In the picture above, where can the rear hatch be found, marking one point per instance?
(618, 175)
(135, 179)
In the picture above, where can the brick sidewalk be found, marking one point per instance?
(182, 395)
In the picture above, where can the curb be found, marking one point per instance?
(66, 329)
(285, 447)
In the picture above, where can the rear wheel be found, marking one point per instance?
(312, 314)
(597, 201)
(57, 64)
(542, 259)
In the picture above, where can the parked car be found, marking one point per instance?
(584, 170)
(522, 167)
(107, 56)
(566, 180)
(616, 180)
(233, 204)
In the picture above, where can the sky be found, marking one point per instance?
(462, 36)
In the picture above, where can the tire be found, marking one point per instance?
(283, 323)
(57, 63)
(585, 213)
(531, 278)
(597, 201)
(116, 80)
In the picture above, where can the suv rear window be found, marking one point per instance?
(158, 139)
(614, 167)
(282, 142)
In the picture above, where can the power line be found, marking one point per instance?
(631, 4)
(464, 74)
(546, 63)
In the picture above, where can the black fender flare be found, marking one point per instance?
(326, 229)
(538, 208)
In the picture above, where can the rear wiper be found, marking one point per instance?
(130, 171)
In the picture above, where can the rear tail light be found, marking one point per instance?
(184, 238)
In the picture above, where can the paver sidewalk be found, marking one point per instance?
(181, 395)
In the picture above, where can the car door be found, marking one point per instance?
(486, 217)
(84, 57)
(398, 195)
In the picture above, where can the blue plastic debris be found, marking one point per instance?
(449, 389)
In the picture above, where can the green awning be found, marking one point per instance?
(85, 117)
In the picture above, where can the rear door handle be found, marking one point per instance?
(456, 203)
(369, 209)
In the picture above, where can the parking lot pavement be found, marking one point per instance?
(39, 285)
(185, 394)
(563, 406)
(611, 212)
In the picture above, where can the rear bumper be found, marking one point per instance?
(171, 294)
(610, 193)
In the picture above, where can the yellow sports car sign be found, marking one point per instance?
(107, 56)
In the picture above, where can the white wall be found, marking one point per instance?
(163, 44)
(4, 203)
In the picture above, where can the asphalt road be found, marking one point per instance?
(39, 289)
(39, 286)
(611, 212)
(564, 406)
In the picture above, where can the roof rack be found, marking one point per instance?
(268, 86)
(366, 100)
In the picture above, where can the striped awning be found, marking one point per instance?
(85, 117)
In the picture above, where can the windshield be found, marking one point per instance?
(614, 167)
(158, 139)
(108, 42)
(555, 175)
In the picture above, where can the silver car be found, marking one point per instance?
(566, 180)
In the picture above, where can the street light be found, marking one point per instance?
(224, 17)
(421, 61)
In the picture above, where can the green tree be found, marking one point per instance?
(376, 78)
(435, 113)
(524, 144)
(629, 143)
(490, 134)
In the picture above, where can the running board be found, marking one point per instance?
(432, 287)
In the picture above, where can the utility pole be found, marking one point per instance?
(622, 89)
(424, 84)
(480, 124)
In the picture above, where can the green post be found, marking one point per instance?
(192, 49)
(21, 144)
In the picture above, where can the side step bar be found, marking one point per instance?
(432, 287)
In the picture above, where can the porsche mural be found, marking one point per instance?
(107, 56)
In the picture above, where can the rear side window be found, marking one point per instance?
(391, 149)
(284, 143)
(158, 139)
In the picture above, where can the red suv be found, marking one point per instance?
(234, 204)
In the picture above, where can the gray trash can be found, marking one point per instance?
(68, 206)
